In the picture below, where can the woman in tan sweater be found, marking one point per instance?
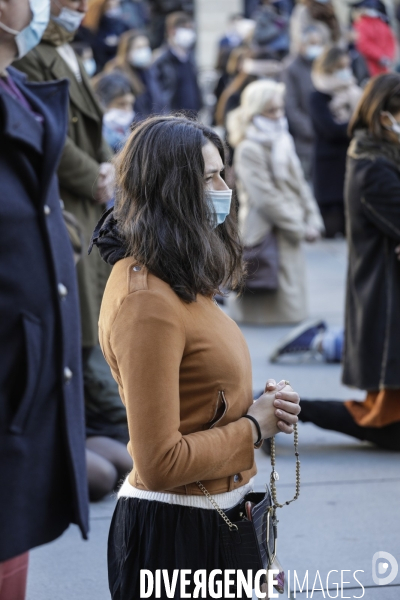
(182, 365)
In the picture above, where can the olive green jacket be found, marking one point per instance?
(84, 150)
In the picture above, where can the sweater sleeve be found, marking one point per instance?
(381, 198)
(263, 193)
(148, 342)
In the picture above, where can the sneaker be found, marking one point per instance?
(300, 341)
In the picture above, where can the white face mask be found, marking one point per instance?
(29, 37)
(312, 51)
(344, 74)
(141, 57)
(185, 37)
(395, 124)
(68, 18)
(271, 126)
(221, 200)
(90, 66)
(119, 118)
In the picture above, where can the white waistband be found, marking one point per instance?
(224, 501)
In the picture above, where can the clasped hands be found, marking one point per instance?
(276, 410)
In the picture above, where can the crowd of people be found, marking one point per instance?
(311, 147)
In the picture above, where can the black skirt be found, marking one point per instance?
(153, 535)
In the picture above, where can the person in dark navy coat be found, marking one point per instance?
(43, 483)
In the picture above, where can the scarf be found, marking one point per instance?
(365, 145)
(55, 35)
(345, 94)
(108, 239)
(283, 154)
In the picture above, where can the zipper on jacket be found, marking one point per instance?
(220, 409)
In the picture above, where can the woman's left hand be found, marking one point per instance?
(287, 404)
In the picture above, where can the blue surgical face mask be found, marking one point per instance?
(29, 37)
(345, 74)
(221, 200)
(313, 51)
(68, 19)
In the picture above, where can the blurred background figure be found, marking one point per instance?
(86, 182)
(134, 60)
(273, 197)
(135, 13)
(114, 92)
(85, 53)
(314, 13)
(297, 78)
(105, 20)
(271, 32)
(374, 38)
(371, 359)
(332, 105)
(42, 454)
(159, 11)
(312, 340)
(176, 69)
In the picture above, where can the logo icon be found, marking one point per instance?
(380, 565)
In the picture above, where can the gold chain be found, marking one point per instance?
(217, 508)
(274, 475)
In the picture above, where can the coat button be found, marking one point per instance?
(62, 290)
(74, 119)
(236, 478)
(46, 210)
(67, 374)
(137, 268)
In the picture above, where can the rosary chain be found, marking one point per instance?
(274, 474)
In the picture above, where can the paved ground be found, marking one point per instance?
(349, 506)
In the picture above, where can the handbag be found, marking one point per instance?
(248, 535)
(262, 264)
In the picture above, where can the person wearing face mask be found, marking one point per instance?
(106, 26)
(134, 60)
(314, 13)
(375, 39)
(274, 200)
(115, 94)
(183, 366)
(175, 68)
(371, 355)
(42, 458)
(297, 78)
(332, 105)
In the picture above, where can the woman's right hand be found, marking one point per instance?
(275, 414)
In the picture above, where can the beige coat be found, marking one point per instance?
(274, 193)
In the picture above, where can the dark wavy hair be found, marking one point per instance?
(163, 212)
(382, 93)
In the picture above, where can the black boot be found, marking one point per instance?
(333, 415)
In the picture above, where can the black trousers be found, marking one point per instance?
(333, 415)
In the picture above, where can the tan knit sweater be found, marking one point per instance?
(184, 375)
